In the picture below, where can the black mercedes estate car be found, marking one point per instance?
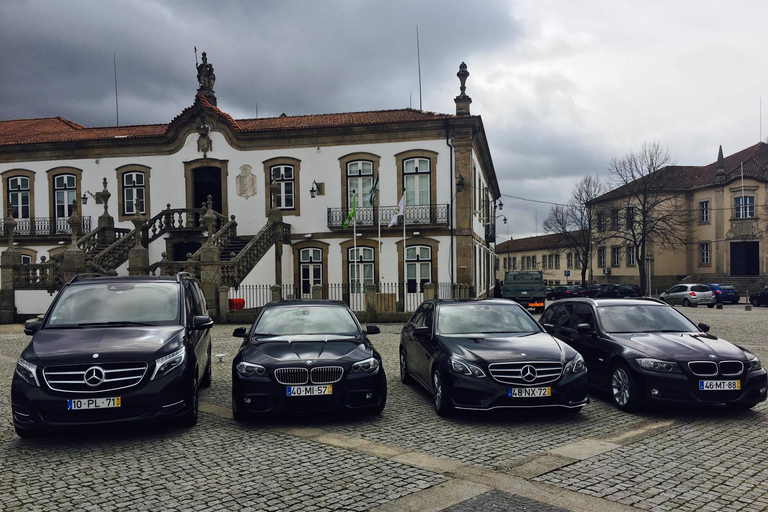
(306, 356)
(489, 354)
(645, 351)
(115, 349)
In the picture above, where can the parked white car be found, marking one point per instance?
(689, 295)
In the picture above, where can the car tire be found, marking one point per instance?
(26, 433)
(207, 373)
(741, 406)
(755, 302)
(190, 417)
(405, 378)
(623, 388)
(441, 398)
(710, 306)
(686, 303)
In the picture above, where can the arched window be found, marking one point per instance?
(416, 175)
(361, 268)
(359, 183)
(310, 268)
(418, 267)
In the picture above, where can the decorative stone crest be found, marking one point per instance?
(206, 78)
(744, 230)
(246, 182)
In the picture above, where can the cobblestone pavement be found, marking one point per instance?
(704, 458)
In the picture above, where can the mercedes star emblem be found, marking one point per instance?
(528, 373)
(95, 356)
(94, 376)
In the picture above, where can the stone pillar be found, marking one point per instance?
(276, 216)
(73, 258)
(317, 291)
(429, 291)
(9, 258)
(223, 304)
(210, 277)
(464, 234)
(277, 292)
(106, 221)
(138, 256)
(370, 303)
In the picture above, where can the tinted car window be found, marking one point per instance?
(563, 315)
(284, 320)
(549, 315)
(700, 288)
(418, 317)
(583, 315)
(428, 313)
(117, 302)
(643, 318)
(484, 318)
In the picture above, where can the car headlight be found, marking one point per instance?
(370, 365)
(27, 371)
(753, 363)
(166, 364)
(466, 368)
(575, 365)
(250, 369)
(656, 365)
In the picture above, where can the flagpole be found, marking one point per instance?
(354, 238)
(379, 215)
(405, 252)
(743, 209)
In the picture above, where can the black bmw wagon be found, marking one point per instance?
(115, 349)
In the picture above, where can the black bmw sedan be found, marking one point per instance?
(306, 356)
(115, 349)
(643, 351)
(489, 354)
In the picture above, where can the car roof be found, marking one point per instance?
(314, 302)
(85, 279)
(647, 301)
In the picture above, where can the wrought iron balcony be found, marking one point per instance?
(422, 215)
(490, 233)
(44, 226)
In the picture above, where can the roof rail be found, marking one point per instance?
(84, 275)
(179, 274)
(653, 299)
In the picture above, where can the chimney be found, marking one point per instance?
(720, 173)
(462, 100)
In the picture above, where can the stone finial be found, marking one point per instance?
(274, 213)
(105, 195)
(138, 221)
(75, 222)
(720, 173)
(462, 100)
(206, 78)
(9, 224)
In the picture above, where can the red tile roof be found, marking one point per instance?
(535, 243)
(677, 178)
(57, 129)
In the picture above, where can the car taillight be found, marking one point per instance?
(567, 293)
(693, 294)
(718, 291)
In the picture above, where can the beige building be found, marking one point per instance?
(551, 254)
(724, 232)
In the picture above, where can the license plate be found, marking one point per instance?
(308, 390)
(719, 385)
(523, 293)
(528, 392)
(93, 403)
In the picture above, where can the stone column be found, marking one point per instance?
(9, 258)
(277, 292)
(73, 262)
(464, 235)
(106, 221)
(223, 304)
(720, 214)
(138, 256)
(370, 303)
(276, 216)
(210, 277)
(317, 291)
(429, 291)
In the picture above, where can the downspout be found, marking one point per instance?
(452, 213)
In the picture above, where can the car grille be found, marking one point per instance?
(512, 373)
(292, 376)
(703, 368)
(71, 378)
(731, 368)
(326, 374)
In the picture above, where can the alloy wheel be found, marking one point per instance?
(437, 391)
(620, 387)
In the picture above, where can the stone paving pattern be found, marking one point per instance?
(501, 501)
(711, 458)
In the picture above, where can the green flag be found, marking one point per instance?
(351, 215)
(372, 193)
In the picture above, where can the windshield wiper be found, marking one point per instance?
(113, 324)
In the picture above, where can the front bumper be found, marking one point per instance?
(263, 394)
(40, 408)
(684, 387)
(569, 391)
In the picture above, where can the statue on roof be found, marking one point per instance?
(206, 78)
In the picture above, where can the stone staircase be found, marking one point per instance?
(234, 246)
(744, 284)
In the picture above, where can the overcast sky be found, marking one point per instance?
(562, 86)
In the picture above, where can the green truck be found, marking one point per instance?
(525, 287)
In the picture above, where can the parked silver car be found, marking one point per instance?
(689, 295)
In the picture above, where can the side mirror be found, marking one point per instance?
(372, 329)
(704, 327)
(549, 328)
(584, 329)
(240, 332)
(31, 328)
(421, 331)
(202, 322)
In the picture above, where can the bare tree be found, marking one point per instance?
(653, 208)
(575, 222)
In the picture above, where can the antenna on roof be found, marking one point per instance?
(257, 110)
(117, 108)
(410, 99)
(761, 119)
(418, 57)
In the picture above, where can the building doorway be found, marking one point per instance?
(745, 258)
(182, 249)
(207, 181)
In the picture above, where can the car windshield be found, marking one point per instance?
(643, 318)
(288, 320)
(726, 287)
(479, 318)
(116, 303)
